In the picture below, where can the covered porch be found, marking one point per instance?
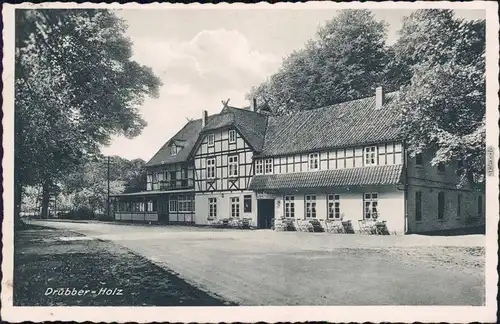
(148, 206)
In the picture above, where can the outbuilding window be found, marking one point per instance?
(371, 206)
(370, 155)
(259, 167)
(289, 206)
(313, 161)
(333, 206)
(232, 136)
(211, 139)
(212, 207)
(441, 205)
(310, 206)
(235, 207)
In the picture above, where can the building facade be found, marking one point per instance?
(342, 162)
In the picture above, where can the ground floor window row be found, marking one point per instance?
(441, 205)
(136, 206)
(176, 204)
(181, 204)
(332, 204)
(235, 206)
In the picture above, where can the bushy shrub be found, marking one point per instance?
(81, 213)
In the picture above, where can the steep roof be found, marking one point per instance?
(349, 123)
(185, 138)
(355, 122)
(373, 175)
(250, 124)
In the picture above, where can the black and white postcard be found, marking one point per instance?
(283, 162)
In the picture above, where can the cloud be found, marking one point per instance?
(197, 74)
(212, 58)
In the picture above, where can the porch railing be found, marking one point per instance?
(176, 184)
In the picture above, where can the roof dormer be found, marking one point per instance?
(173, 149)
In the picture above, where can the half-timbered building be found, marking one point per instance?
(344, 162)
(223, 160)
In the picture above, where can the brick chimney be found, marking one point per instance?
(379, 98)
(204, 115)
(253, 104)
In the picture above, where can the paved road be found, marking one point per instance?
(263, 267)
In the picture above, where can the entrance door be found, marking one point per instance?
(265, 213)
(163, 210)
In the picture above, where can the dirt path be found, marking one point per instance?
(286, 268)
(62, 268)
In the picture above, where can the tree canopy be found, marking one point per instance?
(437, 63)
(347, 60)
(444, 99)
(76, 85)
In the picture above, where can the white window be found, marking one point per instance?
(212, 207)
(235, 207)
(211, 168)
(269, 166)
(151, 206)
(211, 139)
(233, 165)
(259, 167)
(173, 149)
(289, 206)
(310, 206)
(172, 205)
(333, 206)
(371, 205)
(370, 155)
(232, 136)
(313, 161)
(184, 204)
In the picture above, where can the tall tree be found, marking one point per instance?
(136, 176)
(347, 60)
(75, 86)
(445, 96)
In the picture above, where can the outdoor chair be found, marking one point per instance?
(347, 227)
(234, 222)
(366, 227)
(334, 225)
(303, 225)
(279, 225)
(381, 228)
(224, 222)
(245, 222)
(300, 226)
(315, 226)
(329, 226)
(289, 224)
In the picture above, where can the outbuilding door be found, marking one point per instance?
(265, 213)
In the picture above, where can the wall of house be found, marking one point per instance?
(429, 181)
(351, 157)
(390, 205)
(224, 206)
(136, 217)
(221, 150)
(223, 186)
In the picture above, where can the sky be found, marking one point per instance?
(205, 56)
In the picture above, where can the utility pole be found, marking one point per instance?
(55, 205)
(107, 203)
